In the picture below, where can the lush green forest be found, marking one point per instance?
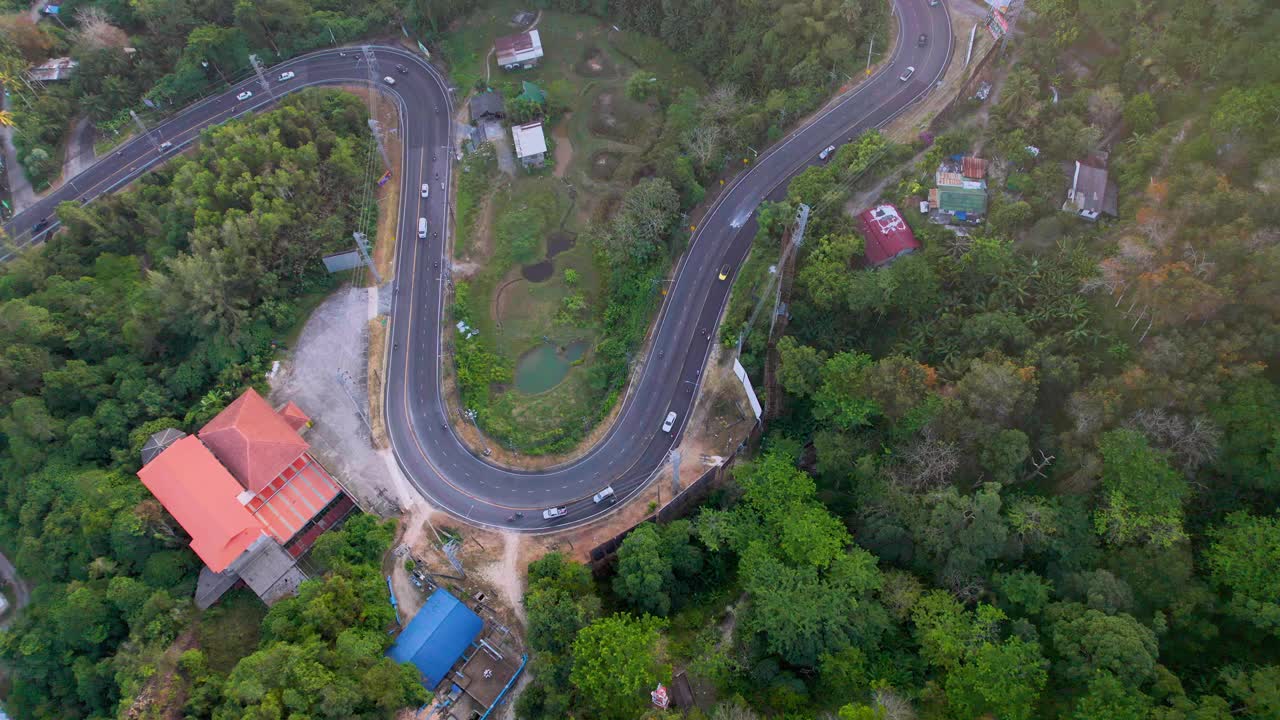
(152, 308)
(153, 55)
(1028, 472)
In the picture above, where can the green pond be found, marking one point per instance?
(543, 367)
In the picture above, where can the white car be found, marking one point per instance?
(426, 190)
(245, 95)
(286, 76)
(553, 513)
(166, 146)
(389, 80)
(670, 422)
(826, 152)
(907, 75)
(603, 495)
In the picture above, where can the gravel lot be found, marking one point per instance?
(325, 375)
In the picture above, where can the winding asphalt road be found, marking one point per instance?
(448, 473)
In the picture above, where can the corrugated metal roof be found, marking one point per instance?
(519, 48)
(887, 234)
(529, 140)
(961, 199)
(437, 636)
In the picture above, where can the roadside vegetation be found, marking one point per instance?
(1027, 472)
(151, 309)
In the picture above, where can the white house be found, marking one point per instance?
(531, 143)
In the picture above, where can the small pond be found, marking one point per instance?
(543, 367)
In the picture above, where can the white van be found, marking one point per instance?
(604, 495)
(422, 227)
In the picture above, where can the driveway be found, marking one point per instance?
(496, 134)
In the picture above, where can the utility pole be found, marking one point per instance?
(143, 129)
(262, 75)
(471, 415)
(869, 49)
(362, 245)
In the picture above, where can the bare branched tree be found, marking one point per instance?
(702, 142)
(928, 464)
(95, 31)
(723, 102)
(895, 706)
(1190, 442)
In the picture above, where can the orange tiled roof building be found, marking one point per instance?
(246, 479)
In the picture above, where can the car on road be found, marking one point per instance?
(605, 495)
(826, 152)
(389, 80)
(287, 76)
(402, 70)
(40, 225)
(724, 271)
(935, 3)
(553, 513)
(907, 75)
(922, 40)
(426, 189)
(166, 146)
(422, 228)
(245, 95)
(670, 422)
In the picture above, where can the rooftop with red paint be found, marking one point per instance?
(887, 234)
(246, 472)
(202, 496)
(253, 441)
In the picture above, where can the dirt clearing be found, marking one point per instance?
(564, 148)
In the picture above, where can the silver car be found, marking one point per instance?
(553, 513)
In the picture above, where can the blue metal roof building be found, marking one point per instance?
(437, 636)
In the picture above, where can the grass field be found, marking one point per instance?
(600, 138)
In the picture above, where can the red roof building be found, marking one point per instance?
(202, 496)
(253, 440)
(245, 473)
(887, 235)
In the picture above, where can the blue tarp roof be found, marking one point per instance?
(437, 636)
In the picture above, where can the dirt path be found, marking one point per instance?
(507, 574)
(564, 148)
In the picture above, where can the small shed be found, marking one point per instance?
(1091, 192)
(486, 106)
(437, 636)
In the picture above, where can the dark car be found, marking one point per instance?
(40, 225)
(922, 40)
(402, 70)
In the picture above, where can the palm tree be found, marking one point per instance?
(6, 118)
